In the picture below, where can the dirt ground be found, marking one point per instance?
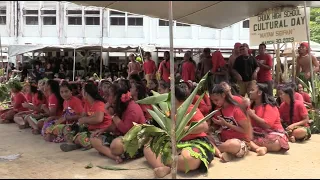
(40, 159)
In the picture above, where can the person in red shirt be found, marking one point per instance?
(17, 99)
(234, 127)
(72, 111)
(164, 87)
(108, 141)
(149, 67)
(198, 136)
(306, 96)
(51, 110)
(294, 116)
(34, 108)
(138, 92)
(94, 118)
(269, 134)
(164, 67)
(27, 92)
(265, 62)
(188, 68)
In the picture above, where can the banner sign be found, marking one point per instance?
(285, 26)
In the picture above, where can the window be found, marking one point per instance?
(180, 24)
(31, 17)
(3, 16)
(74, 21)
(49, 17)
(135, 21)
(32, 20)
(163, 23)
(92, 20)
(49, 20)
(74, 17)
(77, 12)
(117, 18)
(92, 17)
(245, 24)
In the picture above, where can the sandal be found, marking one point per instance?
(35, 131)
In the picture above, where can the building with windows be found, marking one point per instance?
(54, 23)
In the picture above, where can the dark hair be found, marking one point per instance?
(135, 77)
(141, 90)
(262, 44)
(181, 91)
(218, 89)
(288, 90)
(167, 52)
(92, 90)
(206, 50)
(164, 84)
(147, 53)
(294, 86)
(265, 97)
(66, 84)
(124, 83)
(155, 81)
(55, 89)
(34, 90)
(120, 106)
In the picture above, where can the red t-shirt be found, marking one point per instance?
(28, 97)
(74, 105)
(233, 115)
(53, 103)
(298, 96)
(17, 100)
(144, 108)
(133, 113)
(98, 106)
(149, 67)
(37, 102)
(306, 97)
(270, 115)
(164, 69)
(238, 99)
(196, 118)
(204, 109)
(264, 75)
(188, 71)
(299, 111)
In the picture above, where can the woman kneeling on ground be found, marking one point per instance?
(234, 127)
(52, 110)
(294, 116)
(265, 118)
(108, 141)
(96, 118)
(186, 159)
(17, 99)
(55, 130)
(38, 99)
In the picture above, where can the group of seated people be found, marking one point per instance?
(98, 114)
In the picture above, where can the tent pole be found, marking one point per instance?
(173, 103)
(309, 49)
(101, 43)
(74, 64)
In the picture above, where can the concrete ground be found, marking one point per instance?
(40, 159)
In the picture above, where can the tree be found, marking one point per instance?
(315, 24)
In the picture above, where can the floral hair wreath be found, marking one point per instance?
(126, 97)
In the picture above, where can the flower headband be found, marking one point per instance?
(126, 97)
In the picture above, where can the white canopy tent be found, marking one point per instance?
(14, 50)
(214, 14)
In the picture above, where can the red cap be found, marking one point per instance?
(305, 44)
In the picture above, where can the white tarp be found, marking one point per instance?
(214, 14)
(14, 50)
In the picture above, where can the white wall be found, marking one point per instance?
(149, 33)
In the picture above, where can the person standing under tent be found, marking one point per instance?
(164, 67)
(245, 69)
(149, 67)
(134, 67)
(206, 62)
(303, 70)
(188, 68)
(265, 63)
